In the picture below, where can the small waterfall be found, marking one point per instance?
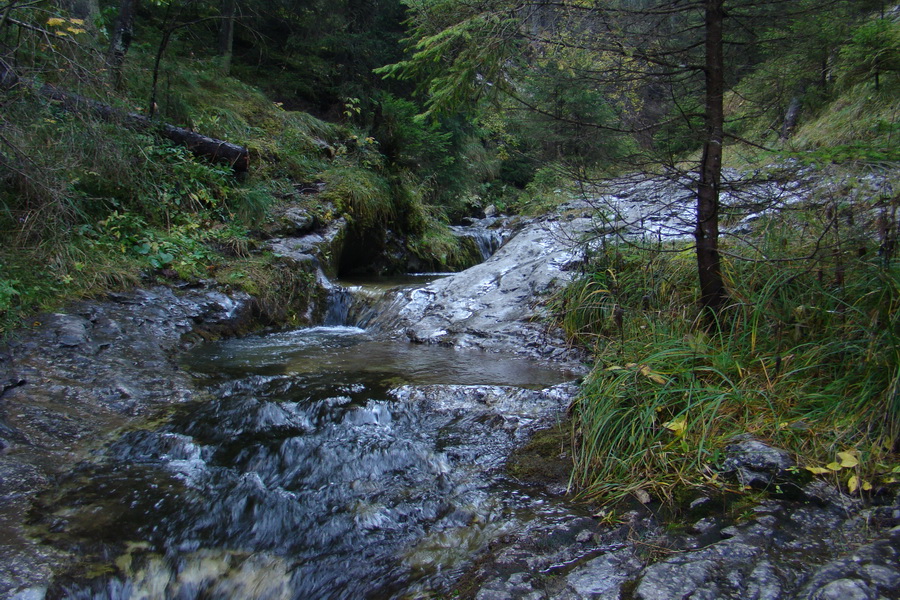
(487, 238)
(351, 305)
(345, 305)
(339, 307)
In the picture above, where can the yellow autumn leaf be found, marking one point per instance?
(866, 486)
(75, 30)
(848, 460)
(654, 377)
(61, 33)
(642, 496)
(817, 470)
(676, 426)
(76, 21)
(834, 466)
(55, 21)
(853, 484)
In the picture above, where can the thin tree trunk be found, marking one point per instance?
(163, 44)
(226, 35)
(792, 115)
(160, 51)
(712, 286)
(120, 41)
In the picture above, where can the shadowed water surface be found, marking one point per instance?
(309, 473)
(349, 354)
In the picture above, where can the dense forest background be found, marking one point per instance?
(404, 116)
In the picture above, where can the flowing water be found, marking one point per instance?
(324, 463)
(487, 239)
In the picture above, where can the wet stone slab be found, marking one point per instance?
(73, 378)
(823, 547)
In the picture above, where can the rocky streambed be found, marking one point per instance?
(141, 461)
(75, 378)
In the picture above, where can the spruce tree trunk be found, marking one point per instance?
(120, 40)
(712, 287)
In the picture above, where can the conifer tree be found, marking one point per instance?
(664, 66)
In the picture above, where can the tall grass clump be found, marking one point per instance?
(806, 357)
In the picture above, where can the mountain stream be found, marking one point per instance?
(320, 463)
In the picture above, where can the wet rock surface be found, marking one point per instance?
(498, 305)
(825, 547)
(319, 249)
(754, 463)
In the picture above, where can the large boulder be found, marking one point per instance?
(500, 304)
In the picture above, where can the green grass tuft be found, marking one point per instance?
(807, 358)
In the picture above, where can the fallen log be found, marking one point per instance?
(216, 150)
(213, 149)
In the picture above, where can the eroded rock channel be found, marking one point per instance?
(140, 461)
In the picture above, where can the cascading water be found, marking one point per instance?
(355, 302)
(340, 302)
(487, 238)
(325, 463)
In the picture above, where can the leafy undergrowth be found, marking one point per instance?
(807, 356)
(88, 206)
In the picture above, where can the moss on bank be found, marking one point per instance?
(546, 460)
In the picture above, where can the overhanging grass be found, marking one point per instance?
(860, 124)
